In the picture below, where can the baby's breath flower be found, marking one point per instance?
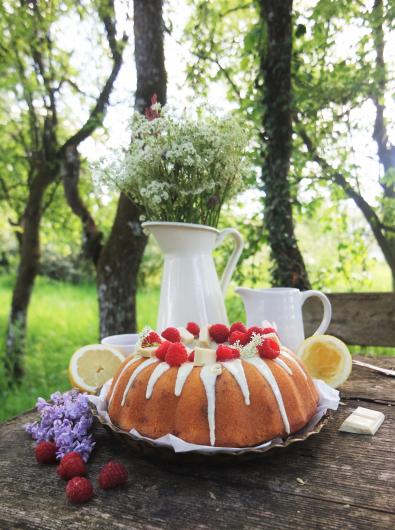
(250, 349)
(179, 169)
(142, 335)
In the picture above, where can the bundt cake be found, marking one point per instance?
(234, 387)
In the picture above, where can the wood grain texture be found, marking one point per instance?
(348, 483)
(366, 319)
(371, 386)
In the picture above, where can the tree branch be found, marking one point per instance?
(237, 8)
(222, 69)
(51, 196)
(386, 151)
(367, 210)
(95, 119)
(4, 187)
(70, 172)
(33, 121)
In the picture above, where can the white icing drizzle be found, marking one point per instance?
(292, 359)
(182, 375)
(156, 374)
(138, 370)
(264, 370)
(209, 379)
(129, 363)
(236, 369)
(283, 365)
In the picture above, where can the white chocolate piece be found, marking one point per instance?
(216, 369)
(149, 351)
(204, 337)
(363, 421)
(204, 357)
(186, 336)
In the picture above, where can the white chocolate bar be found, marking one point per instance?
(204, 356)
(363, 421)
(149, 351)
(186, 336)
(204, 337)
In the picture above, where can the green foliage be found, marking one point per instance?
(335, 81)
(62, 317)
(46, 85)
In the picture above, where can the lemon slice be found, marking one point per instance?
(91, 366)
(327, 358)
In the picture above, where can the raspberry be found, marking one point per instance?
(193, 328)
(269, 349)
(238, 326)
(162, 350)
(113, 474)
(45, 453)
(151, 339)
(219, 333)
(71, 466)
(243, 338)
(171, 334)
(225, 353)
(266, 331)
(79, 489)
(191, 356)
(176, 354)
(254, 329)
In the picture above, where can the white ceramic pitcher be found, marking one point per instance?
(283, 306)
(190, 289)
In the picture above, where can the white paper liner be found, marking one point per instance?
(329, 399)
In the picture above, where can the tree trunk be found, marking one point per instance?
(121, 257)
(288, 268)
(26, 275)
(385, 149)
(117, 271)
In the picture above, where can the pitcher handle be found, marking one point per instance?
(326, 319)
(234, 257)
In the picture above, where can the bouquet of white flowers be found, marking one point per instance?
(179, 169)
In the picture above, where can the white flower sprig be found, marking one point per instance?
(142, 336)
(179, 168)
(250, 349)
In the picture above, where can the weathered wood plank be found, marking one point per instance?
(367, 319)
(369, 385)
(348, 483)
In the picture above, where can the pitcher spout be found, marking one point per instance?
(253, 303)
(245, 292)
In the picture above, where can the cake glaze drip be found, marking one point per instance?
(236, 369)
(137, 371)
(129, 363)
(283, 365)
(182, 375)
(294, 361)
(264, 370)
(156, 374)
(209, 380)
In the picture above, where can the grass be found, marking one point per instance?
(63, 317)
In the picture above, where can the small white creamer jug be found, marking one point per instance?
(283, 306)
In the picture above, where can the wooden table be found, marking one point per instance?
(332, 481)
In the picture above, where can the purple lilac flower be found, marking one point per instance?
(66, 420)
